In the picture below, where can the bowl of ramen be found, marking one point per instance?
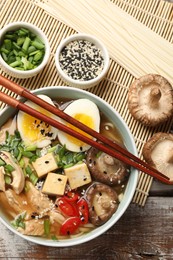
(54, 189)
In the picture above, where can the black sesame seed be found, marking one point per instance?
(46, 162)
(42, 131)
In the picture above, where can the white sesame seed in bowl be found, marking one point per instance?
(82, 60)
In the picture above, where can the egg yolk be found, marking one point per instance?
(86, 120)
(34, 128)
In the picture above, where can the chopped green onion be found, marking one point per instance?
(54, 238)
(18, 46)
(9, 168)
(7, 179)
(27, 154)
(28, 170)
(68, 165)
(19, 221)
(32, 176)
(2, 162)
(47, 227)
(31, 148)
(26, 44)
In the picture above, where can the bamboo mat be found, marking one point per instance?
(156, 14)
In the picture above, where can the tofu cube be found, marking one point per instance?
(45, 164)
(54, 184)
(78, 175)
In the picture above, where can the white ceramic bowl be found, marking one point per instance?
(74, 93)
(27, 73)
(84, 84)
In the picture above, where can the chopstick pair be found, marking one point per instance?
(106, 145)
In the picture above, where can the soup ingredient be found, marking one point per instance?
(158, 152)
(83, 210)
(34, 131)
(67, 208)
(102, 202)
(72, 196)
(19, 221)
(81, 60)
(45, 164)
(150, 99)
(54, 184)
(21, 49)
(18, 179)
(105, 168)
(73, 208)
(78, 175)
(2, 179)
(39, 201)
(10, 127)
(87, 113)
(18, 203)
(66, 158)
(33, 228)
(70, 226)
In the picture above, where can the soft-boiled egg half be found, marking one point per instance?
(87, 113)
(34, 131)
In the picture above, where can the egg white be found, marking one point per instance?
(32, 130)
(86, 112)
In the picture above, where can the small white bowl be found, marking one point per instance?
(83, 84)
(27, 73)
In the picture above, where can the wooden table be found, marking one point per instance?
(142, 233)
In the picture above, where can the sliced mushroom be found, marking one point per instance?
(105, 168)
(2, 180)
(9, 126)
(158, 152)
(150, 99)
(17, 175)
(102, 202)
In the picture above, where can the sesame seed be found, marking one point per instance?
(81, 60)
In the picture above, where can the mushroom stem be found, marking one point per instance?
(155, 95)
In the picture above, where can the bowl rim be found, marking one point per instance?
(97, 42)
(132, 179)
(37, 31)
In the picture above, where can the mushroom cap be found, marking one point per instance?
(105, 168)
(102, 203)
(150, 99)
(158, 152)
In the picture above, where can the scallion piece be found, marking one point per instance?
(47, 227)
(9, 168)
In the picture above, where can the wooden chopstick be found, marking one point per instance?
(107, 145)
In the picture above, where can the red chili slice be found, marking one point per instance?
(72, 196)
(70, 226)
(82, 206)
(67, 208)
